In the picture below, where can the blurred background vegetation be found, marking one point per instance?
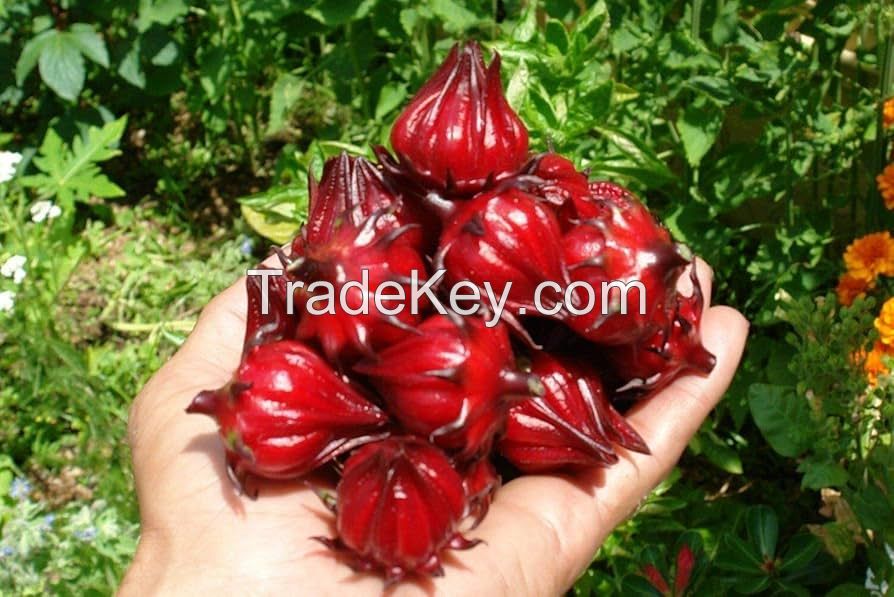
(150, 150)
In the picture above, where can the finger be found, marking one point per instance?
(561, 521)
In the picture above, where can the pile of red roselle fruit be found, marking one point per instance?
(413, 410)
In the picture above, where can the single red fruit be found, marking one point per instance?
(502, 237)
(673, 347)
(685, 564)
(625, 256)
(451, 382)
(459, 134)
(286, 412)
(572, 424)
(340, 313)
(351, 190)
(398, 505)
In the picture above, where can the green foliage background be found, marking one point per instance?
(176, 137)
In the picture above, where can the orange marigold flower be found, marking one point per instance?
(885, 182)
(850, 287)
(874, 365)
(884, 323)
(871, 255)
(888, 112)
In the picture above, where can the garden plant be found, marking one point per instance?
(153, 151)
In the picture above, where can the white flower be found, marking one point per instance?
(7, 301)
(12, 266)
(8, 162)
(44, 210)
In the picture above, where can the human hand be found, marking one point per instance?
(540, 533)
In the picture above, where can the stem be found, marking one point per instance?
(696, 18)
(59, 16)
(886, 62)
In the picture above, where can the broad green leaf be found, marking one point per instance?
(163, 12)
(849, 590)
(455, 17)
(286, 91)
(720, 454)
(838, 540)
(556, 35)
(31, 53)
(735, 555)
(763, 529)
(698, 126)
(279, 232)
(391, 96)
(638, 586)
(90, 43)
(726, 23)
(130, 69)
(818, 475)
(783, 418)
(801, 550)
(214, 72)
(61, 66)
(526, 27)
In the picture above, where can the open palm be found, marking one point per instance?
(541, 532)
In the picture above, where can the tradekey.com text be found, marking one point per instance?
(464, 298)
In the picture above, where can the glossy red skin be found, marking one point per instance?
(569, 426)
(458, 134)
(672, 347)
(623, 242)
(481, 481)
(277, 323)
(353, 249)
(351, 190)
(398, 505)
(555, 179)
(448, 383)
(500, 237)
(286, 412)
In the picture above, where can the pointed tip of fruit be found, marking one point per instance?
(701, 359)
(205, 403)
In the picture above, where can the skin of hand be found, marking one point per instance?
(541, 532)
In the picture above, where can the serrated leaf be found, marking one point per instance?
(783, 418)
(818, 475)
(31, 53)
(72, 173)
(90, 43)
(61, 66)
(638, 152)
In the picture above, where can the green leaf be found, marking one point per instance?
(334, 14)
(763, 529)
(90, 43)
(849, 590)
(698, 126)
(214, 71)
(726, 23)
(801, 550)
(638, 586)
(276, 213)
(720, 454)
(391, 96)
(819, 475)
(163, 12)
(838, 540)
(556, 35)
(735, 555)
(72, 173)
(783, 418)
(456, 18)
(30, 54)
(130, 69)
(638, 152)
(285, 94)
(61, 66)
